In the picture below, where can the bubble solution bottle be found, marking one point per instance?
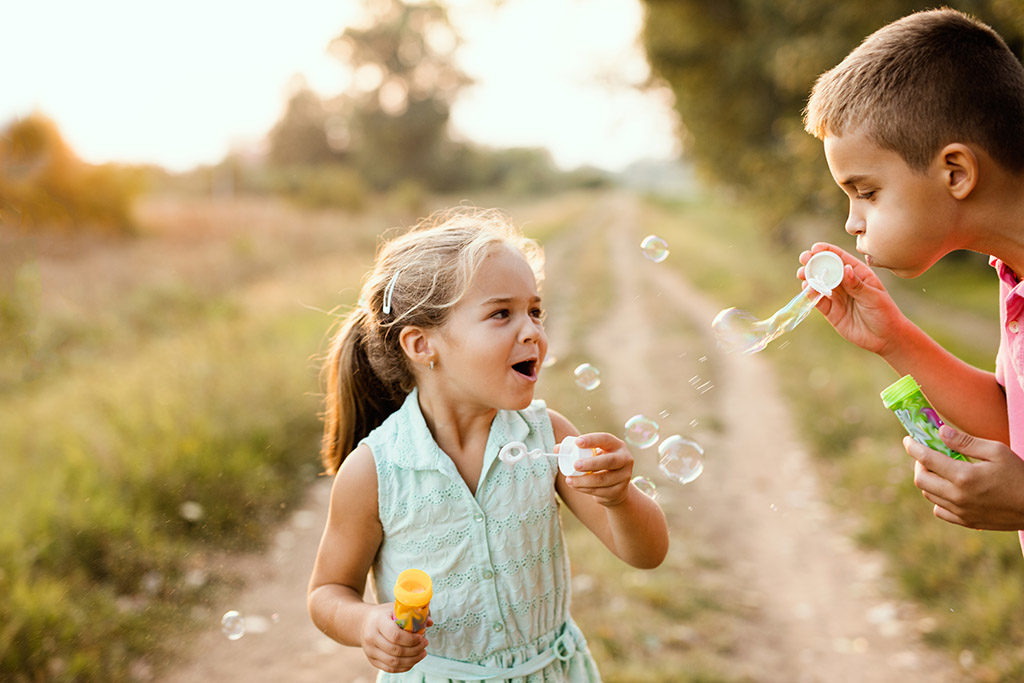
(413, 590)
(904, 398)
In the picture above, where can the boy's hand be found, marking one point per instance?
(985, 494)
(607, 475)
(860, 309)
(388, 647)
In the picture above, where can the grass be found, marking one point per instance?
(178, 422)
(967, 580)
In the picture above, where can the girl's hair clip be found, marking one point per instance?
(388, 291)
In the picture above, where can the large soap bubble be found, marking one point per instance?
(654, 248)
(587, 376)
(680, 459)
(641, 431)
(739, 331)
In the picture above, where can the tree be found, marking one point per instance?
(302, 136)
(404, 82)
(741, 71)
(44, 184)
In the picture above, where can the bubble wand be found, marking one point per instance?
(568, 453)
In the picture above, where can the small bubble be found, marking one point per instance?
(694, 423)
(549, 361)
(641, 431)
(664, 414)
(232, 625)
(587, 376)
(646, 486)
(191, 511)
(681, 459)
(654, 248)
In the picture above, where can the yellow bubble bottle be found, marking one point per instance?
(413, 590)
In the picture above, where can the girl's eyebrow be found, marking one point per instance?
(495, 300)
(853, 180)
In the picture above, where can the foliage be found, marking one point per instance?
(42, 182)
(301, 137)
(741, 71)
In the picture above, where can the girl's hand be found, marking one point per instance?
(985, 494)
(388, 647)
(607, 475)
(860, 309)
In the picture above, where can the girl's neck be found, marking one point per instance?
(461, 431)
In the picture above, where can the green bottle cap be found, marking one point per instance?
(899, 390)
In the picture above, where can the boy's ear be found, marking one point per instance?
(416, 343)
(960, 169)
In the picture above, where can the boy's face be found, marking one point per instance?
(900, 217)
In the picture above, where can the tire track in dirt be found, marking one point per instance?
(815, 606)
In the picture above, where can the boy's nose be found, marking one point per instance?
(855, 224)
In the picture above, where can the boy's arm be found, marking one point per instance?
(350, 541)
(863, 312)
(629, 523)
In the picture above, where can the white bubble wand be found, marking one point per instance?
(568, 453)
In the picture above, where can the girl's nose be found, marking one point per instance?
(531, 331)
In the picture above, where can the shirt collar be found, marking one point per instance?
(508, 425)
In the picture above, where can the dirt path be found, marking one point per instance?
(821, 608)
(814, 606)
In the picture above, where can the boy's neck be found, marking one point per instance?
(997, 217)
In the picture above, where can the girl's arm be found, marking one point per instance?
(350, 541)
(629, 523)
(863, 312)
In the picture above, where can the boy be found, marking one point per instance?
(923, 128)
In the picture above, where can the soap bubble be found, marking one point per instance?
(191, 511)
(681, 459)
(646, 486)
(232, 624)
(587, 376)
(641, 431)
(654, 248)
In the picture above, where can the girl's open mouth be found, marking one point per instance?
(526, 368)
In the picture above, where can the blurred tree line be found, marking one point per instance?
(388, 131)
(741, 71)
(43, 182)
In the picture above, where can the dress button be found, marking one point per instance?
(488, 574)
(1014, 326)
(478, 517)
(498, 626)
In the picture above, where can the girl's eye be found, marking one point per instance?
(866, 195)
(503, 313)
(538, 313)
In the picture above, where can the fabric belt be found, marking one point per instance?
(563, 648)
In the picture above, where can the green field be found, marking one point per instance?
(159, 406)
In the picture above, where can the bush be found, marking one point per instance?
(42, 183)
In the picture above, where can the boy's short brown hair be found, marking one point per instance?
(924, 81)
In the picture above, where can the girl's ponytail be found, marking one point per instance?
(356, 400)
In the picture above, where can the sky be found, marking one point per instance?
(184, 83)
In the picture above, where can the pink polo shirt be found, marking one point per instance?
(1010, 359)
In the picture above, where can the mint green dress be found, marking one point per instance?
(497, 560)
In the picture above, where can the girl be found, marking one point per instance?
(428, 378)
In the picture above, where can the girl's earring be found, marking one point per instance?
(431, 363)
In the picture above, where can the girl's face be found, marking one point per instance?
(901, 218)
(490, 349)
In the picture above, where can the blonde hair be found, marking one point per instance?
(924, 81)
(416, 280)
